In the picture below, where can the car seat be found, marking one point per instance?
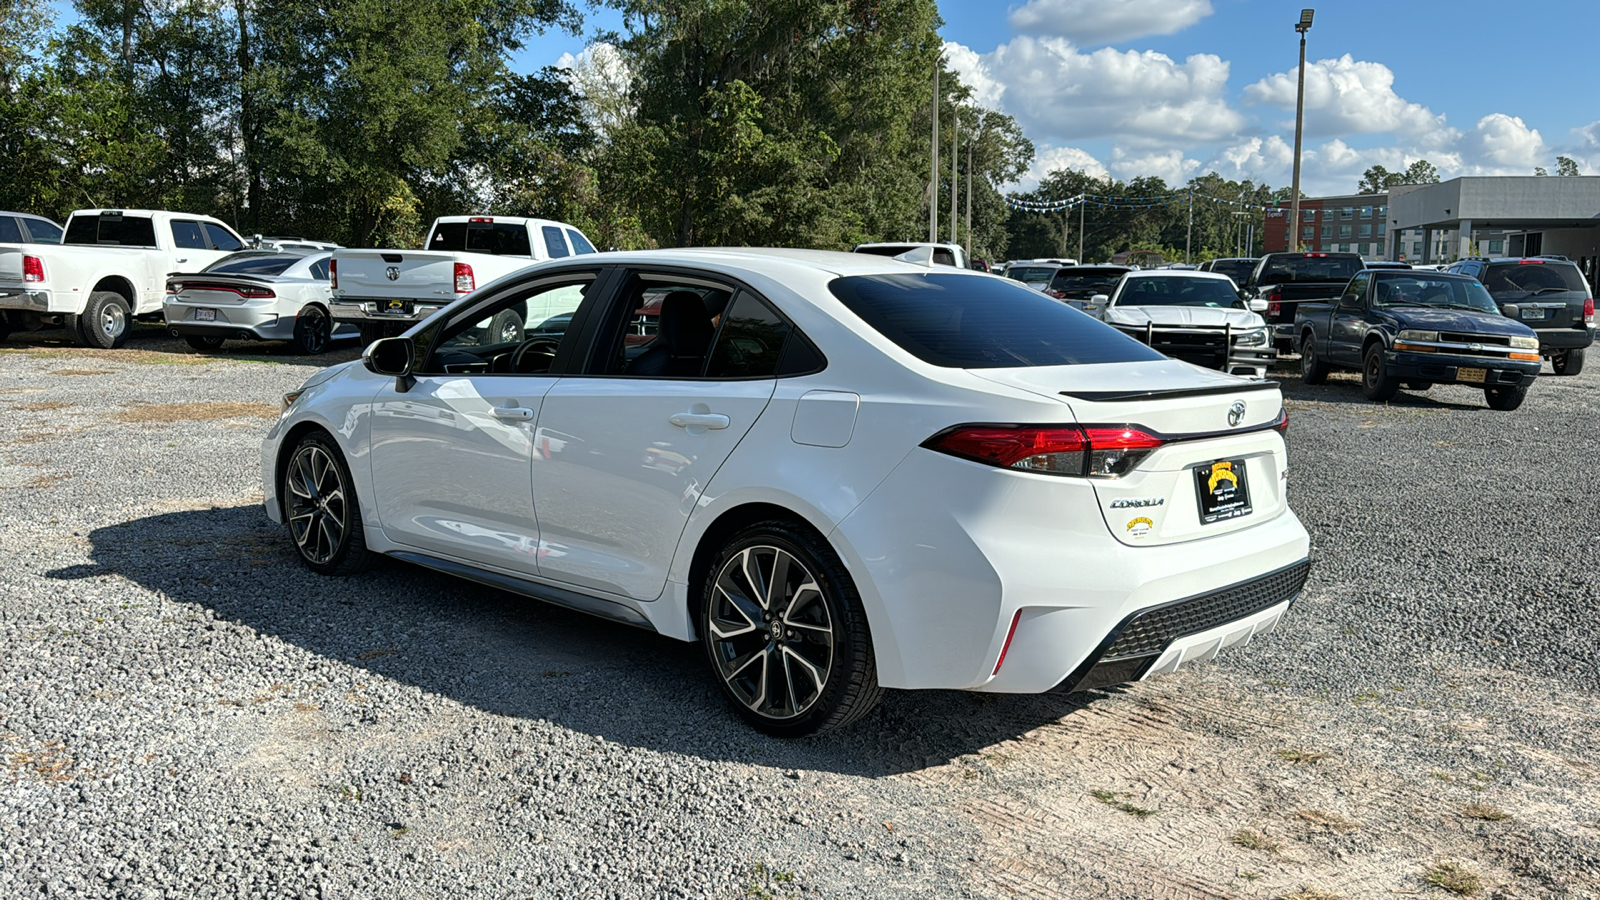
(683, 335)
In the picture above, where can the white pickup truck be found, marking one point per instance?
(111, 266)
(384, 292)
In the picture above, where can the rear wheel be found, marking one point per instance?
(370, 331)
(1505, 398)
(319, 502)
(204, 343)
(1312, 370)
(783, 626)
(105, 322)
(506, 328)
(1376, 382)
(1567, 362)
(312, 331)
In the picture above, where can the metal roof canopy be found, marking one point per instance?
(1500, 203)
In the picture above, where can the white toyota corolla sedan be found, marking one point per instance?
(837, 472)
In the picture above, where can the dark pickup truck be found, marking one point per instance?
(1286, 280)
(1419, 328)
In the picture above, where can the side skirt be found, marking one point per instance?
(573, 600)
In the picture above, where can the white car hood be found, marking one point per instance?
(1214, 316)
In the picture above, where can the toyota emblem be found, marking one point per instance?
(392, 273)
(1236, 414)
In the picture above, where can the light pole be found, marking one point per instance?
(1303, 26)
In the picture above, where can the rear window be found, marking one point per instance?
(1306, 269)
(1032, 274)
(121, 231)
(254, 264)
(1519, 281)
(1237, 269)
(967, 322)
(495, 239)
(1081, 283)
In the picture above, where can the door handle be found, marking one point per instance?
(703, 420)
(512, 413)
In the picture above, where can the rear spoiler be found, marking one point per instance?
(1116, 396)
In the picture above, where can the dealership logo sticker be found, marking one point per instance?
(1220, 472)
(1236, 414)
(392, 273)
(1140, 527)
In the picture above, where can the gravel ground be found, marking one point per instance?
(185, 711)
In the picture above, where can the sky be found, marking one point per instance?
(1178, 88)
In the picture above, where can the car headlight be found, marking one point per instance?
(1525, 343)
(1251, 337)
(1417, 336)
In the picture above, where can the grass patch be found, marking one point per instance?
(1331, 821)
(1115, 801)
(1485, 812)
(1301, 757)
(165, 413)
(1454, 878)
(1254, 840)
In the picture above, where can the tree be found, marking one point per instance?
(1378, 179)
(1540, 171)
(1566, 165)
(1421, 172)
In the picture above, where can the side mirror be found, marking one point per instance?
(1100, 298)
(1511, 310)
(393, 357)
(1257, 305)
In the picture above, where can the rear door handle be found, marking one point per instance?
(512, 413)
(703, 420)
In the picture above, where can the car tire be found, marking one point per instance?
(1505, 399)
(5, 324)
(313, 331)
(204, 343)
(105, 322)
(1567, 362)
(370, 331)
(506, 328)
(814, 654)
(1376, 382)
(1312, 370)
(321, 509)
(1418, 385)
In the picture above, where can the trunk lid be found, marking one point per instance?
(218, 289)
(1221, 468)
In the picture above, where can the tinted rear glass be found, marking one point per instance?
(1298, 269)
(886, 249)
(254, 264)
(1032, 274)
(1518, 281)
(1083, 282)
(1237, 269)
(494, 239)
(969, 322)
(123, 231)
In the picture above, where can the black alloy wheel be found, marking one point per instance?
(313, 330)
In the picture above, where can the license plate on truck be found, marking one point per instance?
(205, 315)
(1471, 376)
(396, 306)
(1533, 313)
(1222, 489)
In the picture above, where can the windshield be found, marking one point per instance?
(1517, 281)
(1176, 290)
(1237, 269)
(968, 322)
(1032, 274)
(1082, 283)
(502, 239)
(1290, 269)
(254, 263)
(1419, 290)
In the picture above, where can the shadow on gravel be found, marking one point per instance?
(516, 657)
(153, 338)
(1349, 392)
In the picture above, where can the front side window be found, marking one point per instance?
(554, 244)
(186, 234)
(968, 322)
(221, 238)
(1354, 292)
(517, 334)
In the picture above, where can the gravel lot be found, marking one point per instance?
(185, 711)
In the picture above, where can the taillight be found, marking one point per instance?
(1588, 311)
(1274, 304)
(333, 274)
(1281, 424)
(464, 283)
(256, 293)
(1103, 451)
(32, 268)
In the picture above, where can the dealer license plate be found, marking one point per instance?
(205, 315)
(1223, 491)
(1533, 313)
(1471, 376)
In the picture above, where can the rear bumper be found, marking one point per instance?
(371, 310)
(259, 322)
(1565, 338)
(1444, 369)
(25, 300)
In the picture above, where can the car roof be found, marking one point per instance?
(1429, 274)
(1518, 259)
(760, 259)
(1179, 273)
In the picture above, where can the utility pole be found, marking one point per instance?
(1082, 202)
(933, 178)
(955, 183)
(1303, 26)
(1188, 235)
(969, 199)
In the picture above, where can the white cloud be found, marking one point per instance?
(967, 64)
(1504, 141)
(601, 77)
(1107, 21)
(1060, 94)
(1349, 96)
(1049, 160)
(1170, 165)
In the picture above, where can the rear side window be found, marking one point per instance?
(114, 230)
(1518, 281)
(495, 239)
(580, 244)
(750, 342)
(186, 235)
(319, 270)
(221, 238)
(967, 322)
(10, 232)
(43, 232)
(554, 244)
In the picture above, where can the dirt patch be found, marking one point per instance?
(21, 390)
(42, 406)
(162, 413)
(132, 357)
(84, 372)
(45, 481)
(34, 437)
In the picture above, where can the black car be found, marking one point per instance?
(1082, 283)
(1419, 329)
(1547, 294)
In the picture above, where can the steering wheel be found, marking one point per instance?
(543, 346)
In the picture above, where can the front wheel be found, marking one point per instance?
(1376, 382)
(783, 626)
(1567, 362)
(312, 331)
(1505, 398)
(1312, 370)
(319, 502)
(506, 328)
(204, 342)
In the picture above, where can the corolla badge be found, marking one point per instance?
(392, 273)
(1236, 414)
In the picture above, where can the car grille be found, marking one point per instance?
(1199, 345)
(1453, 337)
